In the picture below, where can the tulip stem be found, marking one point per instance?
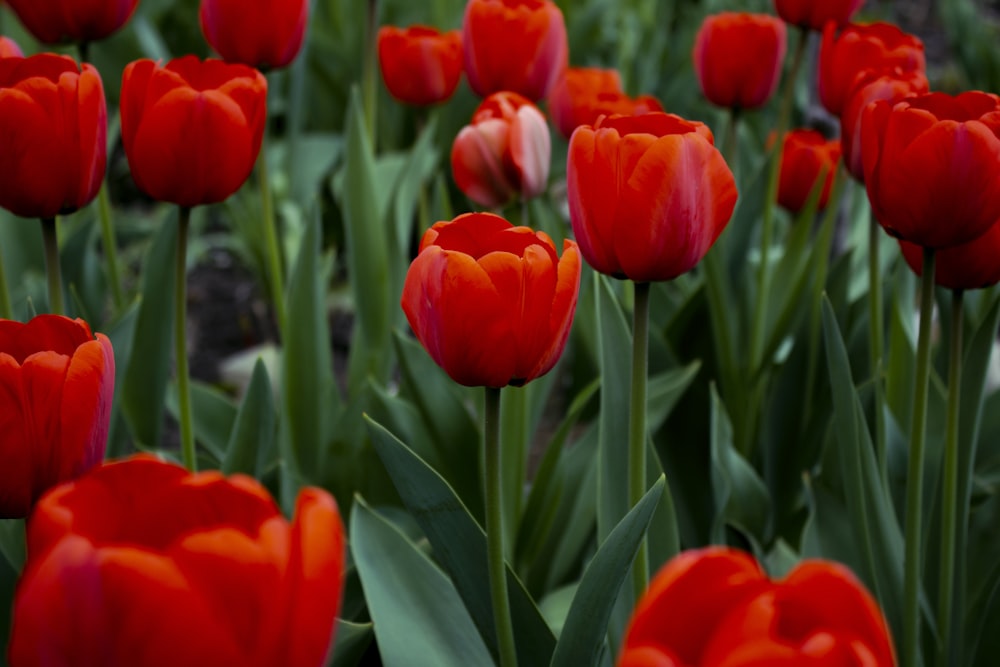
(730, 141)
(915, 476)
(949, 502)
(494, 529)
(52, 272)
(637, 425)
(876, 333)
(110, 247)
(6, 310)
(180, 342)
(369, 81)
(274, 263)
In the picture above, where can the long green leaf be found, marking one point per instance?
(252, 435)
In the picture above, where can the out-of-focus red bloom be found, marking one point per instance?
(932, 166)
(56, 384)
(737, 57)
(58, 21)
(515, 45)
(814, 14)
(972, 265)
(9, 48)
(870, 87)
(491, 303)
(714, 607)
(420, 64)
(53, 134)
(856, 51)
(648, 195)
(505, 151)
(584, 94)
(806, 157)
(192, 129)
(143, 563)
(264, 33)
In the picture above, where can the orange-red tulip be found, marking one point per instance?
(584, 94)
(853, 53)
(9, 48)
(932, 166)
(53, 129)
(714, 607)
(814, 14)
(264, 33)
(420, 65)
(491, 303)
(806, 157)
(972, 265)
(737, 57)
(504, 152)
(192, 130)
(515, 45)
(648, 195)
(58, 21)
(56, 384)
(142, 563)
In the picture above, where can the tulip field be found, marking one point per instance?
(458, 333)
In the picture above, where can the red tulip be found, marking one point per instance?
(53, 129)
(192, 130)
(714, 607)
(56, 384)
(505, 151)
(491, 303)
(9, 48)
(648, 195)
(265, 34)
(737, 57)
(584, 94)
(814, 14)
(870, 87)
(806, 157)
(932, 166)
(143, 563)
(856, 51)
(515, 45)
(58, 21)
(420, 65)
(972, 265)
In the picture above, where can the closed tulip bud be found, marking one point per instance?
(737, 57)
(56, 385)
(420, 65)
(9, 48)
(515, 45)
(264, 34)
(806, 157)
(815, 14)
(59, 21)
(504, 152)
(584, 94)
(53, 129)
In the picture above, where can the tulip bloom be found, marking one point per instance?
(420, 65)
(806, 156)
(715, 606)
(264, 34)
(846, 57)
(491, 303)
(143, 563)
(9, 48)
(737, 57)
(648, 195)
(515, 45)
(972, 265)
(584, 94)
(192, 130)
(932, 166)
(56, 384)
(53, 130)
(505, 151)
(59, 21)
(814, 14)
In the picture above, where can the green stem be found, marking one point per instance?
(52, 272)
(494, 529)
(369, 81)
(110, 247)
(949, 502)
(730, 141)
(6, 310)
(767, 223)
(875, 334)
(180, 342)
(915, 476)
(274, 264)
(637, 425)
(513, 456)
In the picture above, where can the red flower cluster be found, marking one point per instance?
(584, 94)
(806, 156)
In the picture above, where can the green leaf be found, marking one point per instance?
(460, 546)
(582, 638)
(351, 640)
(252, 436)
(419, 618)
(12, 542)
(213, 414)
